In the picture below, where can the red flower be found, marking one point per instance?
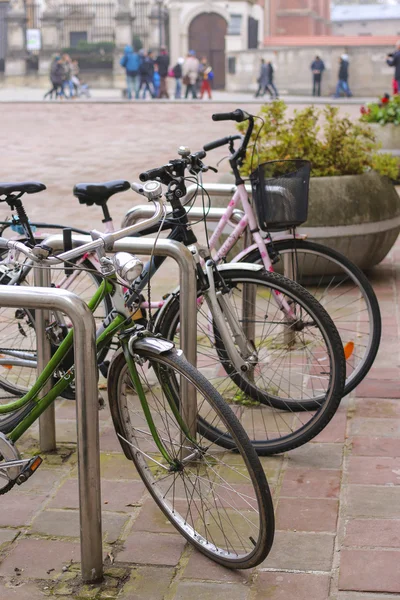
(363, 110)
(384, 100)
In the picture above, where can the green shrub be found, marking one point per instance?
(333, 144)
(90, 48)
(383, 112)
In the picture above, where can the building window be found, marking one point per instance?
(232, 65)
(75, 37)
(235, 25)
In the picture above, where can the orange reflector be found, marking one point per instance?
(5, 366)
(36, 463)
(348, 350)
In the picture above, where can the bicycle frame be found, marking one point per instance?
(119, 323)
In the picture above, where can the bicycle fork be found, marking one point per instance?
(240, 349)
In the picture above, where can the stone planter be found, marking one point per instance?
(388, 135)
(358, 215)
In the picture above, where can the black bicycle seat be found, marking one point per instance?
(99, 193)
(26, 187)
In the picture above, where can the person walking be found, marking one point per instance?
(343, 77)
(270, 80)
(262, 79)
(147, 75)
(317, 68)
(177, 72)
(56, 78)
(393, 60)
(163, 66)
(67, 78)
(156, 81)
(131, 63)
(190, 71)
(206, 75)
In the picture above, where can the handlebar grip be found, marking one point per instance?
(237, 115)
(216, 144)
(151, 174)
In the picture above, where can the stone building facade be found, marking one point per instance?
(212, 28)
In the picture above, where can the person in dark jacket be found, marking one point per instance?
(270, 83)
(146, 71)
(131, 63)
(163, 66)
(393, 60)
(343, 77)
(56, 78)
(317, 68)
(177, 71)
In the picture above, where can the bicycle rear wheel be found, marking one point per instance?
(345, 293)
(219, 500)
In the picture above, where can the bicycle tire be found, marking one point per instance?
(198, 524)
(273, 407)
(352, 272)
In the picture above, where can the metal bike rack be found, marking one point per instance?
(86, 408)
(47, 420)
(195, 213)
(188, 297)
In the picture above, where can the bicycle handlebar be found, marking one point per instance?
(152, 174)
(237, 115)
(221, 142)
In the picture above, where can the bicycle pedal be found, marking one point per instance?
(29, 469)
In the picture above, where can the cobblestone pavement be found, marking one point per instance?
(337, 499)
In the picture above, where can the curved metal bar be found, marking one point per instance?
(86, 410)
(188, 298)
(195, 213)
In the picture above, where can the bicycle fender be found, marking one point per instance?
(152, 344)
(241, 266)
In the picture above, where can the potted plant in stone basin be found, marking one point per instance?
(353, 204)
(384, 120)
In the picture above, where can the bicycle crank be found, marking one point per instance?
(14, 469)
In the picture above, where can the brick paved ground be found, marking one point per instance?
(337, 499)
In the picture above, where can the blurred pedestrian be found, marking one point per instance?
(262, 79)
(343, 77)
(131, 63)
(317, 68)
(146, 70)
(163, 66)
(56, 78)
(177, 74)
(270, 81)
(393, 60)
(67, 78)
(156, 81)
(75, 77)
(190, 71)
(206, 74)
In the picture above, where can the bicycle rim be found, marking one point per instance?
(296, 386)
(345, 293)
(218, 500)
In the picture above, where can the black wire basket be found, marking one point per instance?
(280, 193)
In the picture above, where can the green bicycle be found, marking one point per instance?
(218, 499)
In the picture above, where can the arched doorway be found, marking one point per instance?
(207, 37)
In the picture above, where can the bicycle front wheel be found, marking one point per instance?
(297, 381)
(219, 500)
